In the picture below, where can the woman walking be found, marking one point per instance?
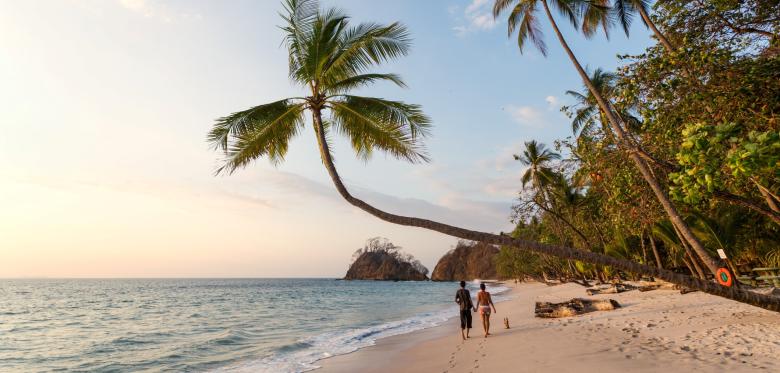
(484, 302)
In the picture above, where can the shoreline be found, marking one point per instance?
(654, 329)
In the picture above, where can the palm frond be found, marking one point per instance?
(263, 130)
(623, 11)
(363, 46)
(328, 28)
(583, 119)
(595, 14)
(570, 9)
(500, 5)
(578, 96)
(299, 17)
(358, 81)
(373, 123)
(530, 29)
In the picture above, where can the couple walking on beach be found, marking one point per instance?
(484, 303)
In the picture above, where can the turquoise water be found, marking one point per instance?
(257, 325)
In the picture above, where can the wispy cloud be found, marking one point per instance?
(525, 115)
(476, 16)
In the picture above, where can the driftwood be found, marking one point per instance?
(576, 306)
(612, 289)
(663, 285)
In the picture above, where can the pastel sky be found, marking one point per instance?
(105, 105)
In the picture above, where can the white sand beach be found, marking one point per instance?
(655, 331)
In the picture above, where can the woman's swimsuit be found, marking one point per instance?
(484, 308)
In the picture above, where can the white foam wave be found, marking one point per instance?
(338, 343)
(345, 341)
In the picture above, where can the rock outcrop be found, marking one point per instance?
(466, 262)
(382, 261)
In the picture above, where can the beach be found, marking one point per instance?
(659, 330)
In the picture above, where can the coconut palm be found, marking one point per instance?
(549, 185)
(537, 157)
(329, 57)
(588, 113)
(624, 12)
(523, 19)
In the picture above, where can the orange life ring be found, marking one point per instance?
(724, 277)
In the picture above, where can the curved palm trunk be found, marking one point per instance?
(640, 163)
(758, 300)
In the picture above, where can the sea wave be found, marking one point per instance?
(302, 356)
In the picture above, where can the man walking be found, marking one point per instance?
(463, 299)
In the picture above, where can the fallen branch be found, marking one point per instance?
(576, 306)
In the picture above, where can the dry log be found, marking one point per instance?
(613, 289)
(576, 306)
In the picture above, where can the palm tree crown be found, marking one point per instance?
(537, 157)
(329, 57)
(591, 14)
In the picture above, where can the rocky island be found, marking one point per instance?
(467, 261)
(380, 260)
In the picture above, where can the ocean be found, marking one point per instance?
(206, 325)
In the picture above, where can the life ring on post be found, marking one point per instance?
(724, 277)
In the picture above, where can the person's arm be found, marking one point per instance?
(457, 297)
(490, 299)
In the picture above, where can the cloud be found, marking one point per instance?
(525, 115)
(477, 16)
(552, 101)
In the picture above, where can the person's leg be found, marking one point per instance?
(487, 324)
(484, 322)
(463, 325)
(468, 322)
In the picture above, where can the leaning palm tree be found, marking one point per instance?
(329, 57)
(523, 19)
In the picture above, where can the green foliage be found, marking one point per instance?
(704, 114)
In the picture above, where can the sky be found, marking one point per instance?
(105, 106)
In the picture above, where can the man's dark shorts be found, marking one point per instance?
(465, 319)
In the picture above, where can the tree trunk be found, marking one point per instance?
(658, 33)
(644, 169)
(655, 250)
(688, 264)
(758, 300)
(690, 254)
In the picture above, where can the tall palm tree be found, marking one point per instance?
(523, 19)
(588, 112)
(329, 57)
(624, 12)
(546, 181)
(537, 157)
